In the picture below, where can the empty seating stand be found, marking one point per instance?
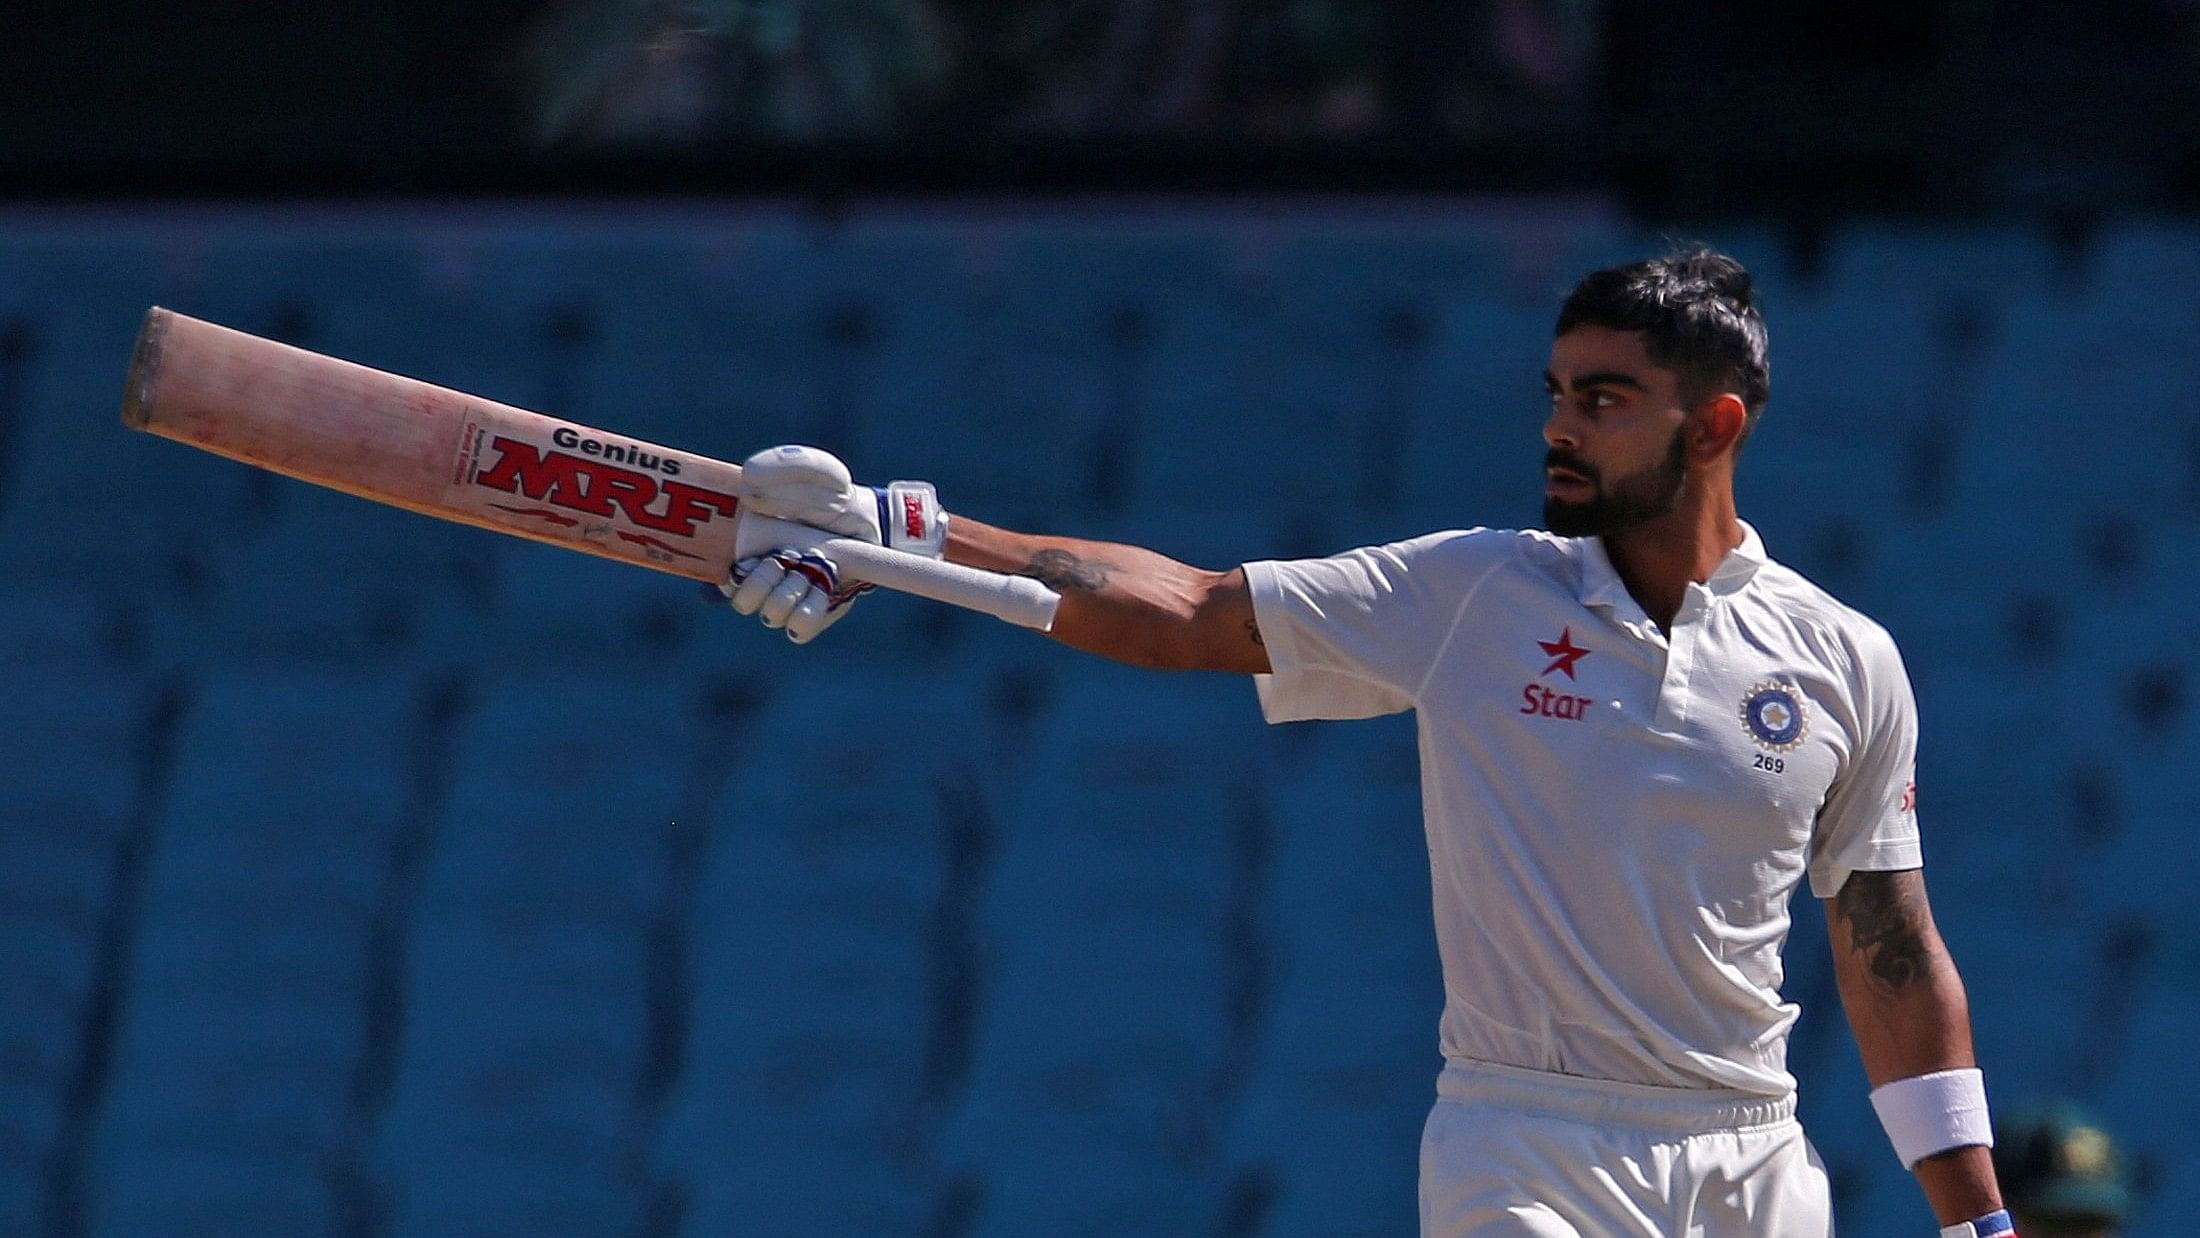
(232, 1091)
(71, 828)
(528, 1014)
(374, 875)
(1347, 1064)
(824, 1024)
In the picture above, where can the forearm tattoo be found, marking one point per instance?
(1059, 569)
(1887, 918)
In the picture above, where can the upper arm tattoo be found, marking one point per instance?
(1888, 924)
(1252, 629)
(1060, 569)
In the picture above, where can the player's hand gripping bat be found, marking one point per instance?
(459, 457)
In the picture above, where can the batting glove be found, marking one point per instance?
(794, 587)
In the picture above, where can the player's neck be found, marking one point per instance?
(1658, 560)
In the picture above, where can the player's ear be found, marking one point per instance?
(1716, 427)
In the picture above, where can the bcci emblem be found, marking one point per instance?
(1774, 716)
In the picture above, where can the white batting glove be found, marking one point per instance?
(784, 580)
(798, 591)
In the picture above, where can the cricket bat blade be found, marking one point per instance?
(462, 458)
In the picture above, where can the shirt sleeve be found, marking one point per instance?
(1869, 820)
(1354, 635)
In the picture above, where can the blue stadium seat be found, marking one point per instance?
(526, 1003)
(1345, 381)
(213, 1193)
(2139, 1097)
(2122, 692)
(2147, 263)
(356, 289)
(1898, 262)
(844, 334)
(1325, 266)
(72, 771)
(2061, 360)
(1095, 1029)
(2076, 431)
(1078, 1190)
(615, 328)
(898, 316)
(486, 1185)
(2158, 796)
(794, 1194)
(1913, 580)
(22, 1173)
(1089, 346)
(1141, 780)
(1106, 1020)
(86, 285)
(813, 1012)
(1802, 487)
(1885, 1202)
(1850, 365)
(765, 376)
(57, 520)
(331, 579)
(2032, 1039)
(247, 1014)
(555, 602)
(2147, 1096)
(1474, 450)
(56, 625)
(1348, 1058)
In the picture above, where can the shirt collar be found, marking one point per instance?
(1601, 585)
(1741, 563)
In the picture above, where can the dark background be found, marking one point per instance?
(1802, 110)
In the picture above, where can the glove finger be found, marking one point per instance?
(739, 572)
(765, 576)
(779, 606)
(812, 615)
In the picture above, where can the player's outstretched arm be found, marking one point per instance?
(1126, 603)
(1117, 601)
(1912, 1023)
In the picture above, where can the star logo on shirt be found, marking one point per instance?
(1564, 653)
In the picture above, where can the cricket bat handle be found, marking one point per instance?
(1012, 599)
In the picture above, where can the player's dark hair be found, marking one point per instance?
(1695, 313)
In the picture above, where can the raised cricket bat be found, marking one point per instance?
(459, 457)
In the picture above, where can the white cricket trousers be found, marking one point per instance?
(1522, 1152)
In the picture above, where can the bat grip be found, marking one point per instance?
(1012, 599)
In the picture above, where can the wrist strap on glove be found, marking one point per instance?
(1992, 1225)
(909, 518)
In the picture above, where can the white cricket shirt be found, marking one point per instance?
(1616, 817)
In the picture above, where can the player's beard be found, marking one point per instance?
(1632, 500)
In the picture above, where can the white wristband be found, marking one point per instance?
(1925, 1114)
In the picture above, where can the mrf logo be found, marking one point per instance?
(1539, 701)
(597, 487)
